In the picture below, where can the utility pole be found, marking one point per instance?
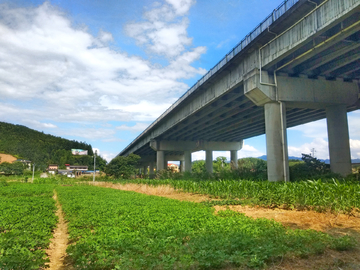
(94, 165)
(33, 172)
(313, 152)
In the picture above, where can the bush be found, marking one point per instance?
(310, 168)
(3, 183)
(122, 167)
(16, 168)
(252, 168)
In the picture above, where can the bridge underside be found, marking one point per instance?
(311, 71)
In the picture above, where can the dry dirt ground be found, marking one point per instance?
(7, 158)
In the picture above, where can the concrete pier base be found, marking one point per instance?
(338, 135)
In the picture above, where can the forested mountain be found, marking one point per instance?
(43, 149)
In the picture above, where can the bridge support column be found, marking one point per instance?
(187, 161)
(151, 169)
(276, 142)
(160, 160)
(187, 147)
(209, 161)
(338, 135)
(234, 158)
(145, 170)
(181, 167)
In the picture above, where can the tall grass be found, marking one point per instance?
(335, 195)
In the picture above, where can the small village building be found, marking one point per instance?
(52, 168)
(27, 163)
(76, 167)
(173, 167)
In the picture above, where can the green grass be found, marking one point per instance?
(113, 229)
(335, 195)
(27, 218)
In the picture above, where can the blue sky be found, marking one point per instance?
(102, 71)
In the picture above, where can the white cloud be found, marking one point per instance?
(90, 133)
(160, 36)
(39, 125)
(319, 144)
(141, 111)
(355, 148)
(316, 129)
(354, 124)
(249, 151)
(199, 155)
(108, 156)
(136, 128)
(105, 37)
(72, 76)
(181, 6)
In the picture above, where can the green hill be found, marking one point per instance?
(43, 149)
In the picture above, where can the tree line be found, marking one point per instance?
(44, 149)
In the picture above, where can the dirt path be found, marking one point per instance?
(332, 224)
(58, 245)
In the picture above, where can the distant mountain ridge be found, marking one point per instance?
(38, 147)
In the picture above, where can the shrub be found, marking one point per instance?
(122, 167)
(310, 168)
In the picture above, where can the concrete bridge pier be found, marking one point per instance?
(234, 158)
(145, 169)
(209, 161)
(187, 161)
(338, 136)
(276, 142)
(187, 147)
(160, 160)
(300, 92)
(151, 169)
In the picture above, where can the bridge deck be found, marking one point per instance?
(332, 53)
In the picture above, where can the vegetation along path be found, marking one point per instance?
(333, 224)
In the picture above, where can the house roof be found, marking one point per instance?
(23, 160)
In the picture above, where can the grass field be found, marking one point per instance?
(114, 229)
(26, 222)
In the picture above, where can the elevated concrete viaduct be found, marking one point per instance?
(300, 64)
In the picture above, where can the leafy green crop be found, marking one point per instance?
(26, 222)
(113, 229)
(337, 196)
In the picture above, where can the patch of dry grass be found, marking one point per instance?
(162, 191)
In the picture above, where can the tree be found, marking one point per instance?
(16, 168)
(122, 167)
(309, 168)
(198, 166)
(220, 164)
(252, 168)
